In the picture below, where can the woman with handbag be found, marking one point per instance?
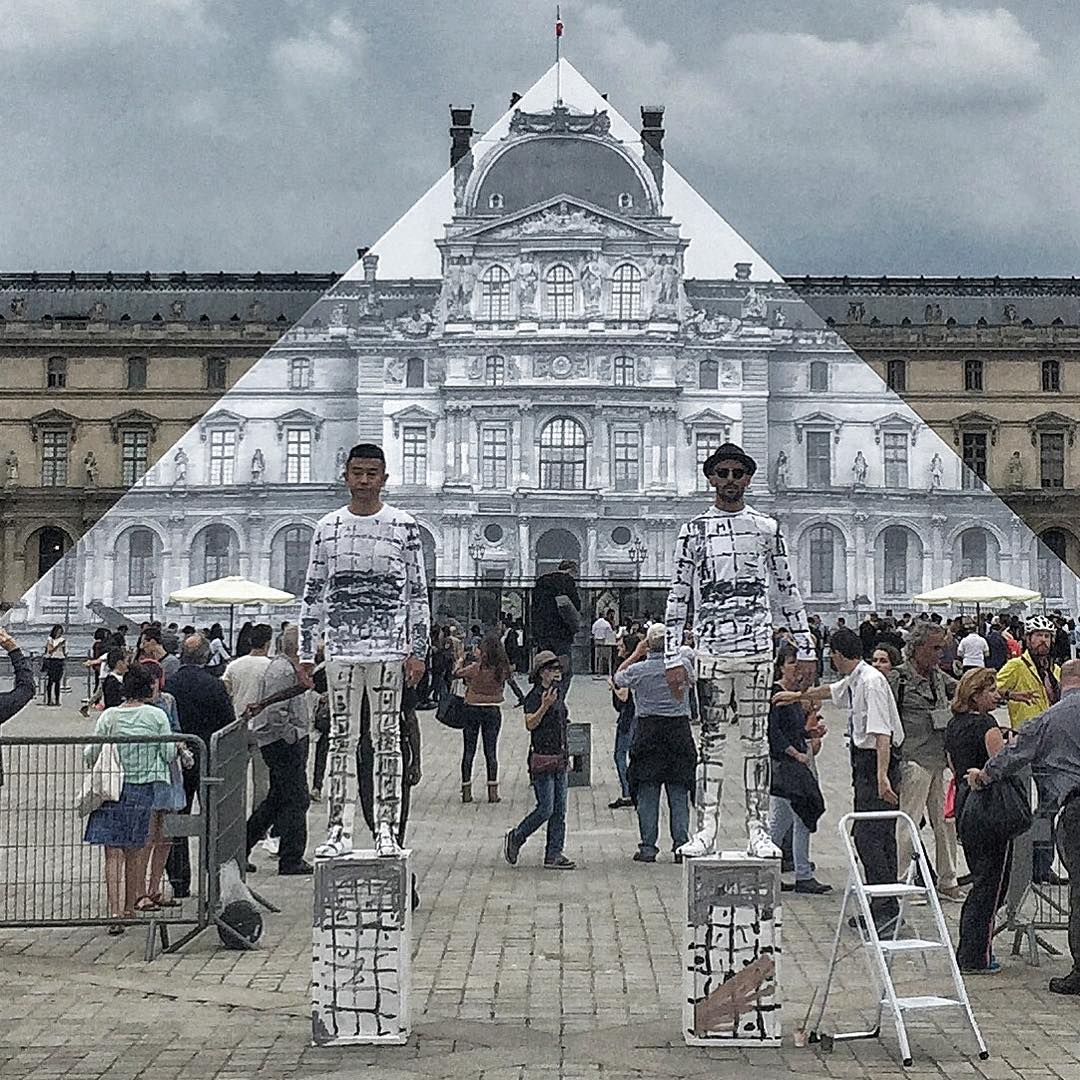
(123, 827)
(971, 739)
(546, 718)
(485, 681)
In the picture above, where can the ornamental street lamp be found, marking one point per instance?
(638, 553)
(477, 550)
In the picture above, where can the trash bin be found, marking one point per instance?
(579, 749)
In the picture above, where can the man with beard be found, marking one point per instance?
(731, 563)
(366, 594)
(1031, 682)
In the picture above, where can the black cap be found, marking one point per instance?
(729, 452)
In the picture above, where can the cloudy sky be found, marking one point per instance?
(839, 136)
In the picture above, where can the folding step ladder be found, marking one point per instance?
(879, 951)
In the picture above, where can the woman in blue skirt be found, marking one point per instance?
(123, 827)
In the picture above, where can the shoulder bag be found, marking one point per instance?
(1002, 810)
(105, 782)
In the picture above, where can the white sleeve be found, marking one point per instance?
(313, 601)
(679, 598)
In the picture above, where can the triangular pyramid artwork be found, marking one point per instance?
(547, 345)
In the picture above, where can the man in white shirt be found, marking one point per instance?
(973, 649)
(242, 678)
(876, 737)
(601, 631)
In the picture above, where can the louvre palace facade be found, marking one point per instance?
(546, 370)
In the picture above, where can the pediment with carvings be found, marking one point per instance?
(134, 419)
(298, 418)
(222, 418)
(562, 217)
(414, 416)
(707, 419)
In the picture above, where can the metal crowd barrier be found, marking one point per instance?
(49, 875)
(1036, 907)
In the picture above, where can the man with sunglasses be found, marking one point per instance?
(731, 565)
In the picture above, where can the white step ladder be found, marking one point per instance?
(880, 951)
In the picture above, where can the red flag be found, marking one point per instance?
(558, 23)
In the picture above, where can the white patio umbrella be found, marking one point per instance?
(231, 592)
(978, 591)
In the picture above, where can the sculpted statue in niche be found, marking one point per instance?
(1016, 471)
(458, 288)
(180, 464)
(859, 469)
(1009, 313)
(526, 279)
(176, 309)
(97, 310)
(604, 369)
(687, 375)
(91, 466)
(476, 367)
(779, 319)
(754, 305)
(339, 460)
(339, 315)
(394, 372)
(937, 472)
(18, 306)
(416, 324)
(436, 371)
(258, 467)
(513, 370)
(592, 282)
(856, 311)
(705, 325)
(780, 481)
(644, 369)
(11, 465)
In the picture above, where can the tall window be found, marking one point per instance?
(495, 294)
(624, 371)
(414, 372)
(495, 371)
(626, 292)
(705, 444)
(297, 455)
(414, 455)
(819, 459)
(1052, 547)
(52, 544)
(709, 375)
(559, 289)
(626, 444)
(973, 375)
(562, 455)
(54, 458)
(217, 372)
(140, 562)
(973, 561)
(1052, 460)
(494, 457)
(222, 457)
(300, 373)
(822, 559)
(896, 459)
(895, 544)
(134, 453)
(973, 444)
(56, 370)
(136, 372)
(896, 376)
(296, 545)
(819, 375)
(1051, 376)
(217, 552)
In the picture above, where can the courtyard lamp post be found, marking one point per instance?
(476, 552)
(638, 553)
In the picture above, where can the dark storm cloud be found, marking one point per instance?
(860, 137)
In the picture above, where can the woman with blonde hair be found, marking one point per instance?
(971, 739)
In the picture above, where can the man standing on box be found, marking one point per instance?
(731, 564)
(366, 593)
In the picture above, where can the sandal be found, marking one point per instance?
(146, 903)
(163, 901)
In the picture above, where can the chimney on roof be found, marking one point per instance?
(515, 97)
(742, 271)
(361, 252)
(371, 263)
(461, 158)
(652, 141)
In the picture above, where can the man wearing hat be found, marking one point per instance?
(731, 563)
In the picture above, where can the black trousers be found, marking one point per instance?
(875, 841)
(54, 675)
(989, 861)
(286, 803)
(1068, 841)
(322, 752)
(178, 866)
(481, 721)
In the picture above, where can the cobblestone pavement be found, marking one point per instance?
(518, 973)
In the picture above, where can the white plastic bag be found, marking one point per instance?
(104, 783)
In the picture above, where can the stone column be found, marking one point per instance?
(862, 558)
(670, 447)
(936, 562)
(530, 452)
(662, 439)
(449, 469)
(591, 569)
(851, 576)
(525, 563)
(598, 461)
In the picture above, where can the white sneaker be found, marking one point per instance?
(699, 845)
(272, 845)
(336, 844)
(759, 844)
(386, 845)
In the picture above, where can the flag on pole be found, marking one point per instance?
(558, 23)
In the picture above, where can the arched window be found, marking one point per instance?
(140, 562)
(709, 375)
(414, 372)
(821, 544)
(495, 294)
(136, 372)
(895, 547)
(1053, 545)
(217, 546)
(973, 553)
(52, 545)
(494, 371)
(626, 292)
(559, 292)
(562, 455)
(295, 544)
